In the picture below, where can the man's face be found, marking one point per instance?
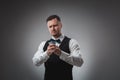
(54, 27)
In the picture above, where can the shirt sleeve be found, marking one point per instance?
(40, 56)
(74, 58)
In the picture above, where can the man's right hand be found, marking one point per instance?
(50, 49)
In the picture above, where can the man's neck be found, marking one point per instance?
(57, 36)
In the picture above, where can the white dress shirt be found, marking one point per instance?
(74, 58)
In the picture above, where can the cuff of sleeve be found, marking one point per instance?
(64, 55)
(46, 56)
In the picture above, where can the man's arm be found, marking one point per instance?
(40, 56)
(74, 58)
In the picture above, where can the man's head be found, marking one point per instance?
(54, 25)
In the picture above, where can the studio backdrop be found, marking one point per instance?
(94, 24)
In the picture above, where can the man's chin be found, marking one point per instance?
(54, 35)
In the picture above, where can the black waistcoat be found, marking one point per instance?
(55, 68)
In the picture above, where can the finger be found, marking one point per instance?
(57, 51)
(51, 45)
(57, 48)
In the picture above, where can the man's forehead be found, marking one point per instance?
(53, 21)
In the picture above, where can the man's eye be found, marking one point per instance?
(50, 26)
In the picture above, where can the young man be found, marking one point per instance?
(59, 54)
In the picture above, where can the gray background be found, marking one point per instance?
(94, 24)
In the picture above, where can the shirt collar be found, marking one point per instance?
(61, 37)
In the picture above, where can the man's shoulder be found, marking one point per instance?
(73, 41)
(42, 43)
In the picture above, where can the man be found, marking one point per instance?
(59, 54)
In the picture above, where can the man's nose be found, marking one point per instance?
(53, 28)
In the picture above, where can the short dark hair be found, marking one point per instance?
(53, 17)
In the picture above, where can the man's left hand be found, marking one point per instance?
(57, 51)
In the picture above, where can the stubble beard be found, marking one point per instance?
(57, 35)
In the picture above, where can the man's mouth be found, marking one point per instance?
(53, 31)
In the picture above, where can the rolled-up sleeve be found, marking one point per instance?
(40, 56)
(74, 58)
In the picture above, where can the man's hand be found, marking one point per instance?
(53, 49)
(57, 51)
